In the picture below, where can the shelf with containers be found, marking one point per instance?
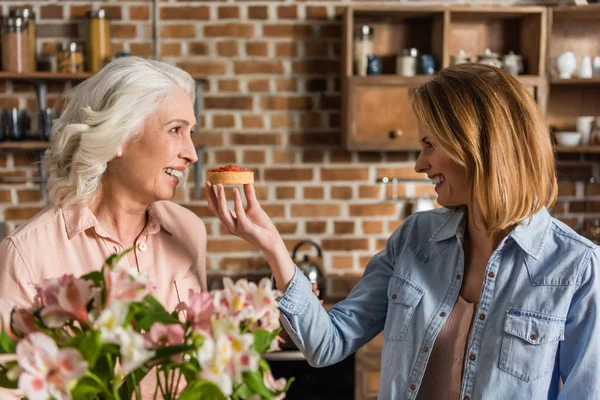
(376, 111)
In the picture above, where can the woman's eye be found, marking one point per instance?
(175, 129)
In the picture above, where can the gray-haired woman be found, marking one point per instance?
(117, 154)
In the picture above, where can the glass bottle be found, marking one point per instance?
(70, 58)
(29, 19)
(98, 40)
(363, 46)
(15, 46)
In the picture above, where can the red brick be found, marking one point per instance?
(79, 11)
(51, 11)
(5, 196)
(170, 49)
(281, 156)
(225, 157)
(316, 49)
(123, 31)
(258, 67)
(582, 172)
(141, 49)
(310, 210)
(341, 192)
(315, 227)
(310, 120)
(314, 193)
(252, 122)
(344, 244)
(288, 174)
(229, 85)
(287, 103)
(286, 85)
(316, 12)
(285, 192)
(369, 192)
(372, 227)
(286, 228)
(369, 210)
(9, 102)
(228, 245)
(342, 262)
(312, 156)
(65, 29)
(139, 12)
(203, 67)
(321, 67)
(398, 156)
(296, 31)
(254, 156)
(228, 103)
(227, 48)
(115, 12)
(258, 12)
(344, 174)
(201, 13)
(287, 12)
(328, 102)
(315, 138)
(199, 48)
(286, 49)
(330, 31)
(591, 189)
(20, 213)
(257, 49)
(229, 12)
(282, 121)
(223, 121)
(258, 85)
(229, 30)
(177, 31)
(248, 138)
(402, 172)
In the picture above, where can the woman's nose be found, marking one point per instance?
(188, 151)
(421, 165)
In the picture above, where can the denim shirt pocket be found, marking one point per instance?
(530, 343)
(403, 299)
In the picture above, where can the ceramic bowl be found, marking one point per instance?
(568, 138)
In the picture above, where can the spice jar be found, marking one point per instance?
(406, 64)
(98, 40)
(15, 45)
(29, 19)
(70, 58)
(363, 47)
(490, 58)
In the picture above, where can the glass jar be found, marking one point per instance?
(512, 63)
(363, 47)
(15, 46)
(406, 64)
(70, 58)
(98, 40)
(490, 58)
(29, 19)
(461, 58)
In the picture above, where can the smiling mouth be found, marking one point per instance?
(174, 173)
(436, 180)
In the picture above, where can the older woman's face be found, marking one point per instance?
(450, 178)
(153, 164)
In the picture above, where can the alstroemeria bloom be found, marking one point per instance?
(274, 385)
(133, 352)
(22, 322)
(64, 298)
(234, 300)
(198, 310)
(125, 285)
(47, 370)
(162, 335)
(111, 321)
(214, 358)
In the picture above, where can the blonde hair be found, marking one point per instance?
(102, 113)
(489, 123)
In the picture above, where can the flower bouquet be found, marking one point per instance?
(100, 335)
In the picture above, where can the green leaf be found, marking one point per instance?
(242, 392)
(86, 388)
(5, 381)
(255, 382)
(190, 370)
(7, 346)
(128, 386)
(89, 345)
(202, 390)
(145, 322)
(168, 351)
(97, 277)
(113, 259)
(263, 339)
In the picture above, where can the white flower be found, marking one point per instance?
(214, 358)
(111, 321)
(133, 352)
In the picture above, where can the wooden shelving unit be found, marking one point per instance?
(24, 146)
(578, 149)
(595, 81)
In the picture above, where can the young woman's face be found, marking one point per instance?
(451, 179)
(153, 164)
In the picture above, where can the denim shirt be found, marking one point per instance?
(536, 321)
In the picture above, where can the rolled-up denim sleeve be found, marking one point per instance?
(580, 351)
(326, 338)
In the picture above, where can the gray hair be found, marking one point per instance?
(102, 113)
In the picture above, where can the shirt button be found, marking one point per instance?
(482, 317)
(412, 387)
(457, 276)
(394, 297)
(442, 314)
(491, 275)
(425, 349)
(142, 246)
(291, 306)
(532, 336)
(472, 357)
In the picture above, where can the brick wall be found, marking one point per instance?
(272, 103)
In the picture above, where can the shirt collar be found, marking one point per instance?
(530, 234)
(78, 218)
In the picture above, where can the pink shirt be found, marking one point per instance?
(171, 251)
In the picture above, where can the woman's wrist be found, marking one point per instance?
(281, 264)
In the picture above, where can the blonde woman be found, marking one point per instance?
(117, 154)
(488, 298)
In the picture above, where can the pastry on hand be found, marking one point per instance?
(230, 175)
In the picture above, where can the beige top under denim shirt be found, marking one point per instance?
(537, 319)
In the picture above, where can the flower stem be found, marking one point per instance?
(96, 379)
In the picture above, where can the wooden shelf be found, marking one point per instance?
(577, 149)
(58, 76)
(391, 79)
(575, 81)
(23, 146)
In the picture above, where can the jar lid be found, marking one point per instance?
(72, 47)
(15, 22)
(101, 13)
(25, 13)
(488, 54)
(365, 30)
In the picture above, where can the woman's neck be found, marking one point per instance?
(477, 234)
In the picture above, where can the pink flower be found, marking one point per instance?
(162, 335)
(47, 370)
(123, 285)
(274, 385)
(64, 298)
(199, 310)
(22, 321)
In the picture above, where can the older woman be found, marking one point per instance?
(488, 298)
(117, 154)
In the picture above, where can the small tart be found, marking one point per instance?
(230, 175)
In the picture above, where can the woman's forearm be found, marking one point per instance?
(281, 264)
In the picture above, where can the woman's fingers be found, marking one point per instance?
(250, 196)
(224, 212)
(239, 208)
